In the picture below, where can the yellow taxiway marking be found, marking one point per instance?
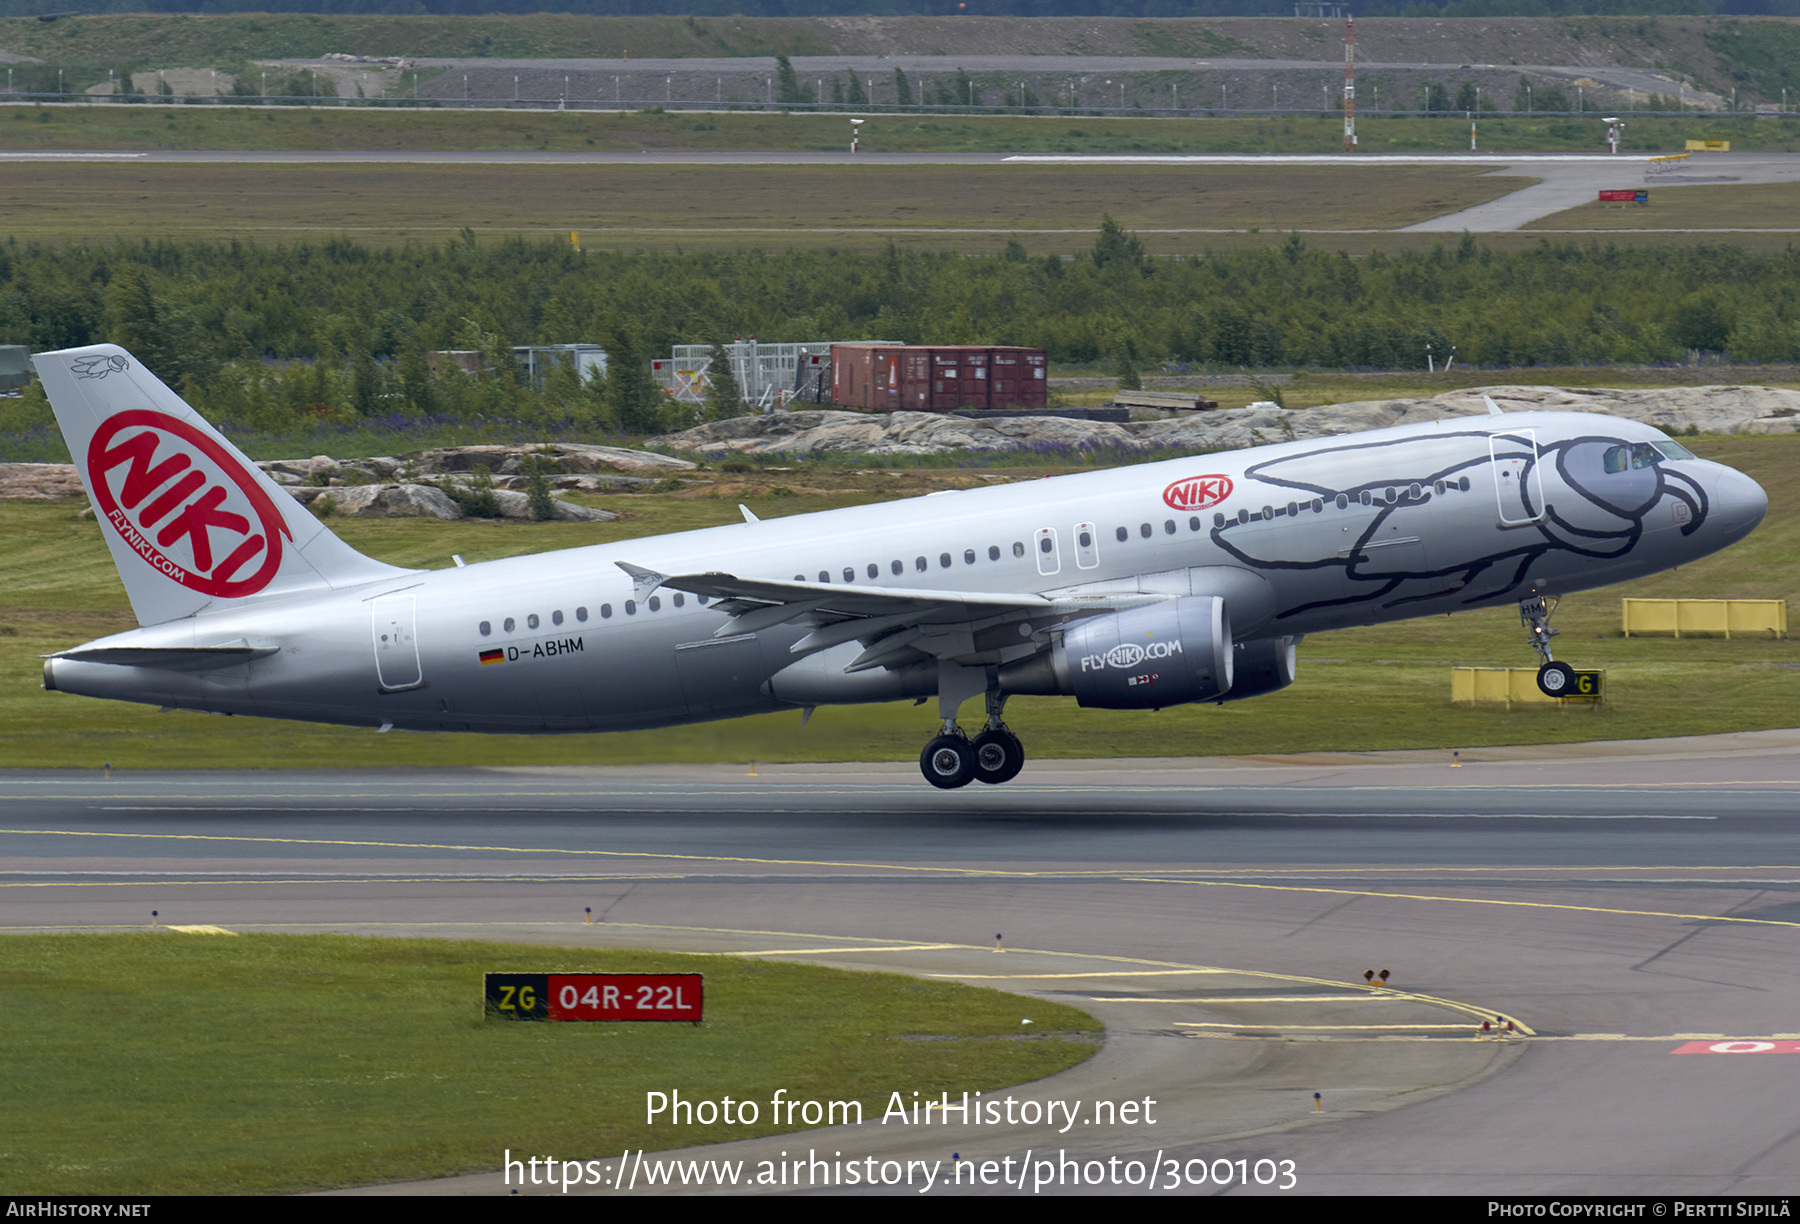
(1044, 977)
(1355, 998)
(833, 951)
(1323, 1028)
(1124, 874)
(1395, 896)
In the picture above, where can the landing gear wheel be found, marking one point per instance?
(1556, 680)
(999, 756)
(948, 762)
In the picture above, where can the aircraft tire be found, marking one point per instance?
(948, 762)
(1556, 680)
(999, 756)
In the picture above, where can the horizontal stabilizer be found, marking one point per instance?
(171, 658)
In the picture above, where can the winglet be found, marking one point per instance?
(748, 517)
(644, 581)
(1493, 408)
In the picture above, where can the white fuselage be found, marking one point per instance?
(1431, 518)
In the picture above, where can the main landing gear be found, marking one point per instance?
(995, 756)
(1554, 679)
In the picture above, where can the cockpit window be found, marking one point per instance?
(1638, 455)
(1674, 450)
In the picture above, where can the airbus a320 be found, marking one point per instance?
(1190, 580)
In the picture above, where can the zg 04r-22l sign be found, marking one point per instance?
(595, 996)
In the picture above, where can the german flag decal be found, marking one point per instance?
(492, 656)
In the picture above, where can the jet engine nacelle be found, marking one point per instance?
(1262, 666)
(1144, 659)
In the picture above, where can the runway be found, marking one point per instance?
(1614, 903)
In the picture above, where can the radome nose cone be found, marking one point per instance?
(1739, 503)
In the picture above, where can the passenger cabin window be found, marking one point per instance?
(849, 574)
(874, 570)
(993, 552)
(531, 622)
(655, 603)
(898, 568)
(968, 556)
(1122, 534)
(486, 628)
(631, 607)
(556, 617)
(507, 624)
(943, 560)
(921, 564)
(1018, 548)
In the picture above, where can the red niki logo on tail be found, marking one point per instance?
(165, 485)
(1197, 492)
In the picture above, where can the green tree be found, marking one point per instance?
(902, 89)
(1126, 366)
(1117, 249)
(633, 401)
(537, 488)
(723, 399)
(787, 82)
(854, 94)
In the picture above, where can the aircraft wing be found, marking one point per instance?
(895, 625)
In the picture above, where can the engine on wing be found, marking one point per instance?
(1262, 666)
(1143, 659)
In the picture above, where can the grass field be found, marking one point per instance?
(378, 130)
(58, 588)
(168, 1063)
(852, 207)
(1720, 206)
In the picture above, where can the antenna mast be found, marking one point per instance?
(1349, 83)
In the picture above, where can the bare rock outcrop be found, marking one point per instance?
(1717, 409)
(429, 501)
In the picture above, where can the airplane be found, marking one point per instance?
(1189, 580)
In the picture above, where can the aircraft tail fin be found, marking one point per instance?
(191, 522)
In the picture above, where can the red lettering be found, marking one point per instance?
(194, 521)
(141, 479)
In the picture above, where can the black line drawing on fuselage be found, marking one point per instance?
(1591, 496)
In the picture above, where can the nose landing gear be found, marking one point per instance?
(1554, 679)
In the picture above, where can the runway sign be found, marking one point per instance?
(594, 996)
(1640, 196)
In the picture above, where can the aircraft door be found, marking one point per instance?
(1518, 477)
(1049, 559)
(393, 626)
(1087, 546)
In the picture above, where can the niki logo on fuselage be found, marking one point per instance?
(184, 504)
(1197, 492)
